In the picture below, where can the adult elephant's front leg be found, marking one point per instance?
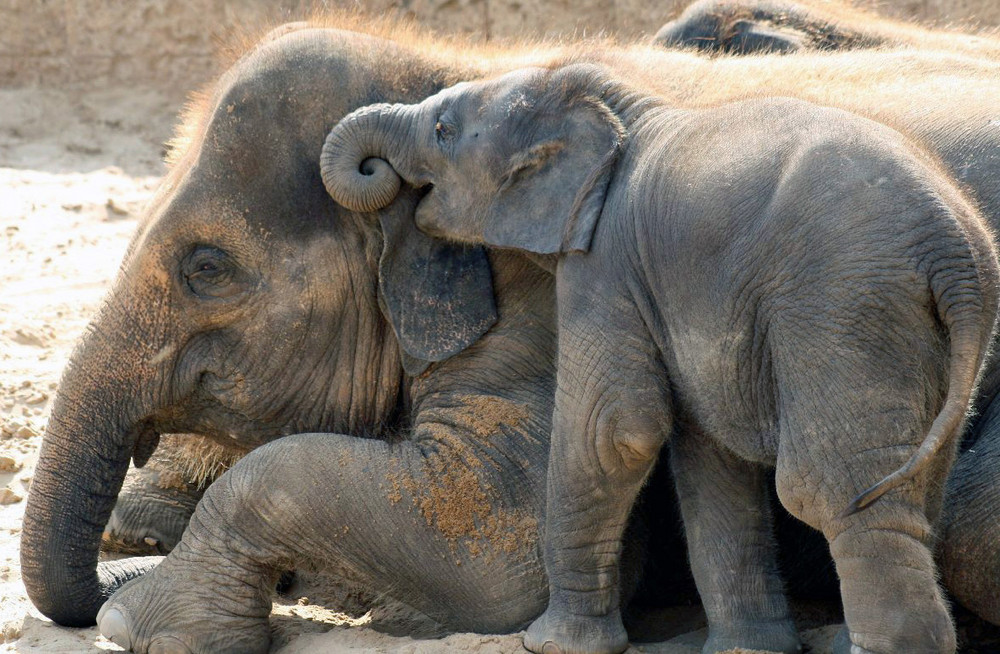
(969, 549)
(432, 525)
(157, 501)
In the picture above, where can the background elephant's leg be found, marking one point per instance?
(969, 548)
(435, 524)
(157, 500)
(727, 520)
(840, 435)
(611, 419)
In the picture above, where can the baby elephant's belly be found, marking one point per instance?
(727, 394)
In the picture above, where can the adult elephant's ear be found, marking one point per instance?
(552, 192)
(437, 295)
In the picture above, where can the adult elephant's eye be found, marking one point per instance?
(444, 131)
(211, 273)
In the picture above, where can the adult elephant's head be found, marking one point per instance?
(247, 306)
(736, 27)
(744, 27)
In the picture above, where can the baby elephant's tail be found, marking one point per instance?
(965, 290)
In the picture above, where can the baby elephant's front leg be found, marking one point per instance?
(611, 419)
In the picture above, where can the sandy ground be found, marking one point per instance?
(75, 172)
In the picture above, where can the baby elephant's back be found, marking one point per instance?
(771, 188)
(791, 228)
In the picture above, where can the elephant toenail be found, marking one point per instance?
(152, 542)
(114, 626)
(168, 645)
(551, 648)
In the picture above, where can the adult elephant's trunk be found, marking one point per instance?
(90, 438)
(364, 156)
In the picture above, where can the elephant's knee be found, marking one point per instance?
(802, 494)
(247, 490)
(791, 491)
(629, 439)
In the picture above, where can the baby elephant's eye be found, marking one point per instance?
(444, 131)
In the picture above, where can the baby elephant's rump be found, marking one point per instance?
(780, 286)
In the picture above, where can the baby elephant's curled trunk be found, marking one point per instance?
(355, 159)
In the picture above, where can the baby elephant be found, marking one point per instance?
(768, 283)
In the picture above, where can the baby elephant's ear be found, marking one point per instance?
(554, 189)
(438, 296)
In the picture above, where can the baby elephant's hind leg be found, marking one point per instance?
(727, 520)
(834, 444)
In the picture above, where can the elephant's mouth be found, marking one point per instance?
(426, 213)
(147, 437)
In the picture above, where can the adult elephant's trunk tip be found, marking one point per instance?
(353, 162)
(80, 469)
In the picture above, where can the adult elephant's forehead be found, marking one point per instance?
(281, 97)
(196, 213)
(247, 153)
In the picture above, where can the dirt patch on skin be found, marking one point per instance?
(484, 415)
(452, 493)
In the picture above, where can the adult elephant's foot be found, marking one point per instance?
(151, 513)
(561, 633)
(156, 501)
(178, 608)
(776, 636)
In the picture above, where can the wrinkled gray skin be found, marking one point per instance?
(247, 308)
(743, 27)
(818, 303)
(757, 26)
(268, 363)
(157, 500)
(157, 508)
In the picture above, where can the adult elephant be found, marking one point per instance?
(250, 306)
(785, 26)
(254, 311)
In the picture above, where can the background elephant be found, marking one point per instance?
(703, 262)
(355, 384)
(784, 26)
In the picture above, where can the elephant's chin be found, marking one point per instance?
(432, 217)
